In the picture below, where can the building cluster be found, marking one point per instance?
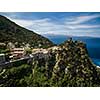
(38, 53)
(17, 53)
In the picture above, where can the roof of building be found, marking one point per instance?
(18, 48)
(2, 54)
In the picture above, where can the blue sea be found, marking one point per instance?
(93, 45)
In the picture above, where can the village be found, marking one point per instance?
(21, 53)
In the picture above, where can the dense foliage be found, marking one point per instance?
(67, 67)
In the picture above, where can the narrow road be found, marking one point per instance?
(11, 63)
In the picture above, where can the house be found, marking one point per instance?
(17, 53)
(54, 48)
(40, 53)
(2, 58)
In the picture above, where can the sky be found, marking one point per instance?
(58, 23)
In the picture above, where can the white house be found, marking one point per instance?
(2, 58)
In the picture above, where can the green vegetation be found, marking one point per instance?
(16, 76)
(28, 51)
(11, 32)
(69, 66)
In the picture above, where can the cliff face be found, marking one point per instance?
(68, 65)
(74, 65)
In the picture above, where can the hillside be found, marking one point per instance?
(11, 32)
(67, 66)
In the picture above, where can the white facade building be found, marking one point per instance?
(2, 58)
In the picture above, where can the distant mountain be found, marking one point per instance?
(11, 32)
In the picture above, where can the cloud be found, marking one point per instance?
(11, 14)
(79, 22)
(24, 23)
(82, 19)
(46, 26)
(28, 23)
(83, 26)
(42, 26)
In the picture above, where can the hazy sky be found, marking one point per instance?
(58, 23)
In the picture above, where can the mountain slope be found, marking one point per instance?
(11, 32)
